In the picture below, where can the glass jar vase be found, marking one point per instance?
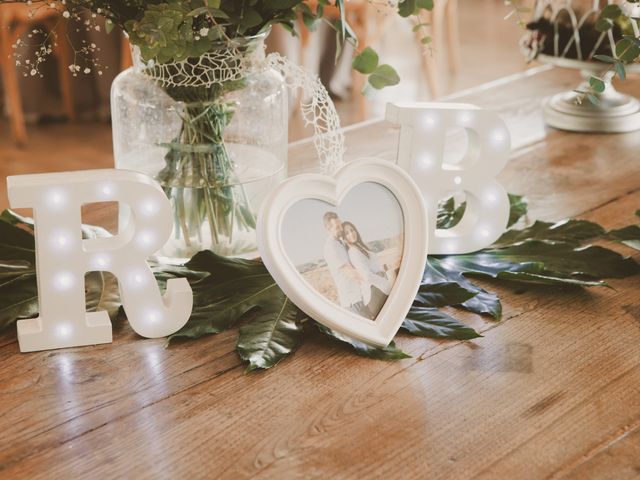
(213, 132)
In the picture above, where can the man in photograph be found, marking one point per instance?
(345, 278)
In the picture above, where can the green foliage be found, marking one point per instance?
(570, 231)
(518, 209)
(366, 62)
(175, 30)
(166, 32)
(383, 76)
(434, 323)
(407, 8)
(630, 236)
(269, 338)
(229, 291)
(441, 295)
(480, 301)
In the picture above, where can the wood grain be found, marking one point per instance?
(620, 459)
(551, 390)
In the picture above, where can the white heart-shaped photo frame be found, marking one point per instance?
(331, 267)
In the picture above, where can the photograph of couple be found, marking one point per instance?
(350, 254)
(361, 280)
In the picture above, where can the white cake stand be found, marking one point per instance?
(615, 112)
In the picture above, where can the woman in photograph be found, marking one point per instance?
(375, 285)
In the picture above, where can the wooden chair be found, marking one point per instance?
(15, 20)
(443, 19)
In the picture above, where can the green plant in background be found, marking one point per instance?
(613, 19)
(627, 49)
(229, 291)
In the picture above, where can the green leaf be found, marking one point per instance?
(13, 218)
(435, 295)
(559, 260)
(544, 279)
(390, 352)
(384, 76)
(424, 4)
(366, 62)
(604, 24)
(630, 236)
(611, 12)
(574, 232)
(102, 293)
(593, 99)
(233, 288)
(627, 50)
(406, 8)
(270, 336)
(18, 299)
(518, 208)
(15, 243)
(449, 215)
(597, 84)
(18, 286)
(483, 303)
(343, 18)
(605, 58)
(432, 323)
(620, 71)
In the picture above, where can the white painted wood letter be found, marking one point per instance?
(63, 258)
(423, 131)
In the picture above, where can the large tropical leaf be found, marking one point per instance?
(18, 299)
(434, 323)
(442, 295)
(519, 208)
(102, 293)
(568, 231)
(630, 236)
(228, 290)
(270, 337)
(483, 302)
(555, 260)
(232, 288)
(450, 213)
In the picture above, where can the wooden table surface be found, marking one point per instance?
(553, 390)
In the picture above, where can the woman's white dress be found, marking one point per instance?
(371, 271)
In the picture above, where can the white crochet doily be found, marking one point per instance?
(230, 64)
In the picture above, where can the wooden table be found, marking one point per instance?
(553, 390)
